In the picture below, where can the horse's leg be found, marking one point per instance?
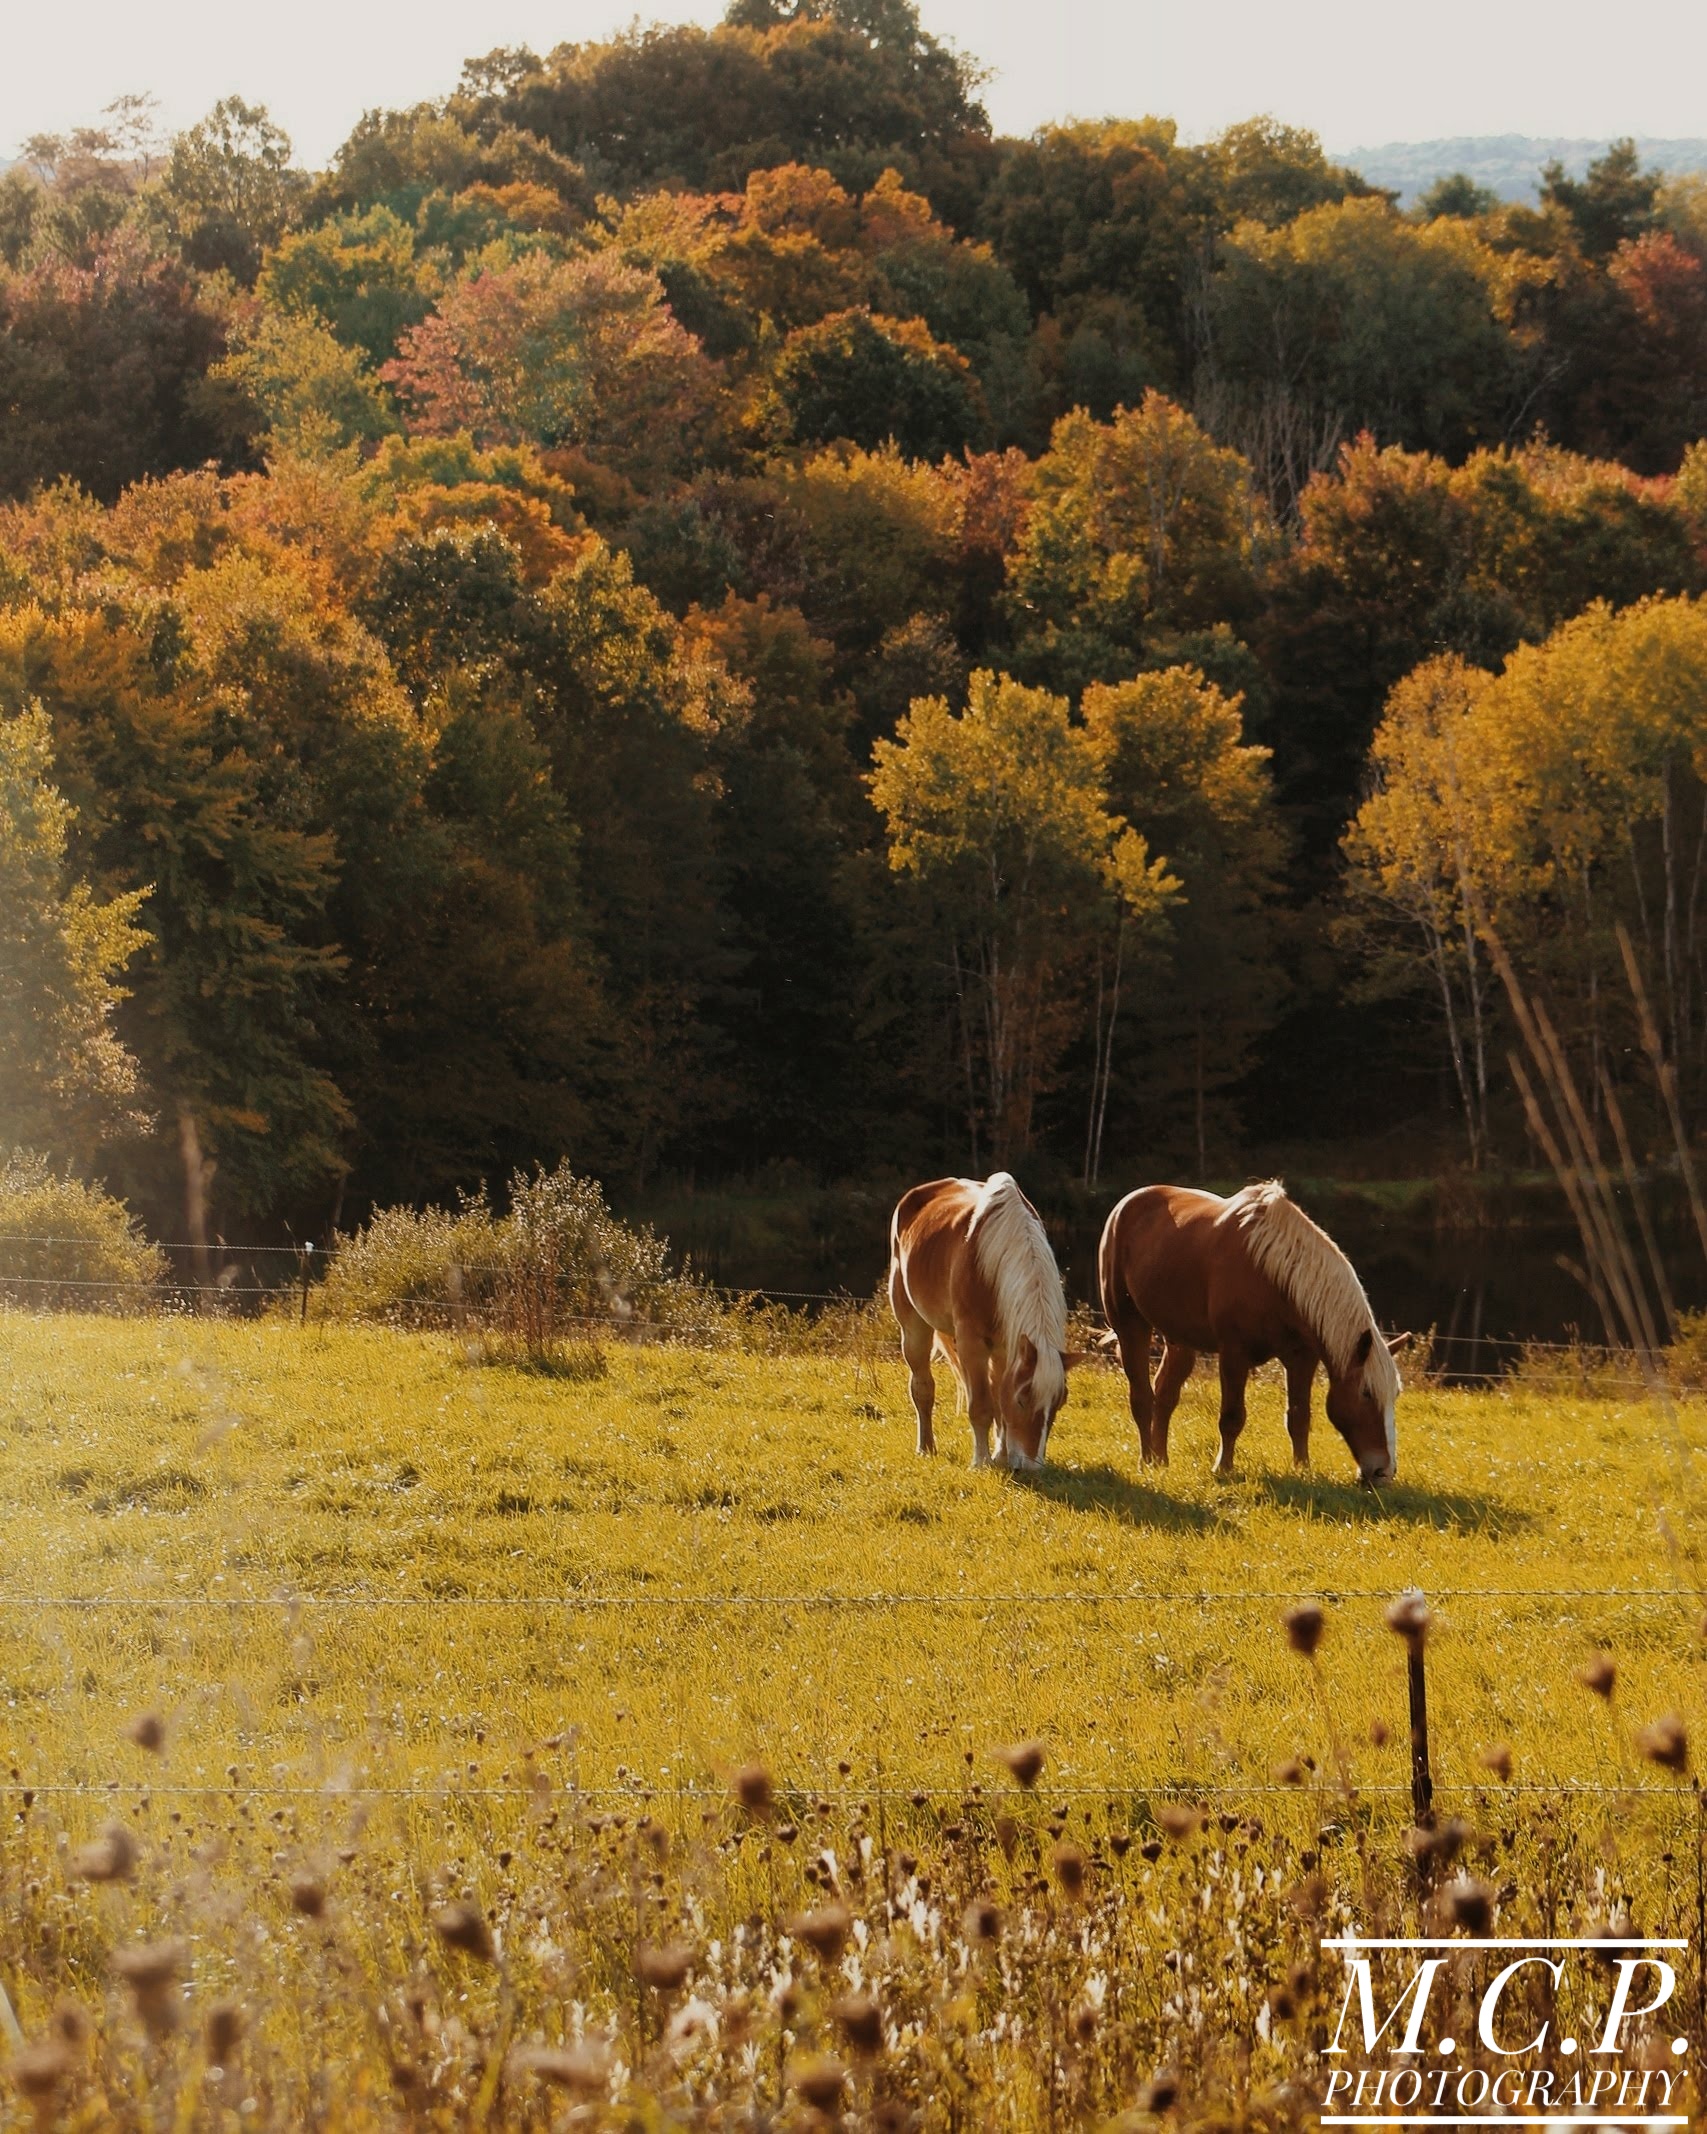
(975, 1366)
(1234, 1372)
(1300, 1377)
(1170, 1380)
(1132, 1332)
(917, 1340)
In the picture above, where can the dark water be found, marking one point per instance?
(1482, 1291)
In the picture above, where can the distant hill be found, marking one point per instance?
(1506, 163)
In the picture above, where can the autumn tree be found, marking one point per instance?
(1138, 525)
(1175, 765)
(1416, 894)
(67, 1081)
(99, 365)
(998, 817)
(582, 351)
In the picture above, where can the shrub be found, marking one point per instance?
(555, 1263)
(66, 1246)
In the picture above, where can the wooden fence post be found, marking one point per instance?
(307, 1263)
(1408, 1617)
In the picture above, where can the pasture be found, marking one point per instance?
(423, 1632)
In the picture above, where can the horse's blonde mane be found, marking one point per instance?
(1306, 1264)
(1014, 1256)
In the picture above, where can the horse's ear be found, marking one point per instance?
(1070, 1357)
(1398, 1343)
(1366, 1343)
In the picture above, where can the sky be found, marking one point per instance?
(1355, 71)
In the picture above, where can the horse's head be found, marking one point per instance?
(1029, 1395)
(1361, 1406)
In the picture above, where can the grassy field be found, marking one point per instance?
(421, 1632)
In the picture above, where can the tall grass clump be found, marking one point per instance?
(538, 1282)
(67, 1246)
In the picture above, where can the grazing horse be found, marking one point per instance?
(971, 1275)
(1250, 1278)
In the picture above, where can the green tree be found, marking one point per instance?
(67, 1082)
(359, 274)
(1613, 203)
(303, 386)
(869, 381)
(1351, 319)
(228, 192)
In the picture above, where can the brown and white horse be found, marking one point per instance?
(971, 1275)
(1250, 1278)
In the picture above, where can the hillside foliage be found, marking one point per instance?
(685, 605)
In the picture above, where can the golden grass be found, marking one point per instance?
(373, 1582)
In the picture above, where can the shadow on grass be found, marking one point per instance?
(1104, 1489)
(1459, 1511)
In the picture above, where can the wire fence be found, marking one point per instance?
(1449, 1354)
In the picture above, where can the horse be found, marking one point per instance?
(1250, 1278)
(971, 1277)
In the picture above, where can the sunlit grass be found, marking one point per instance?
(387, 1601)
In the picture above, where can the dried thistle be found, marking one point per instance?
(1599, 1675)
(1289, 1772)
(820, 2080)
(1664, 1742)
(308, 1896)
(1468, 1904)
(39, 2069)
(71, 2022)
(664, 1967)
(584, 2068)
(1160, 2093)
(111, 1857)
(1498, 1760)
(982, 1922)
(1175, 1820)
(753, 1789)
(1408, 1617)
(825, 1931)
(461, 1925)
(148, 1731)
(222, 2032)
(1304, 1627)
(1070, 1867)
(860, 2021)
(1024, 1762)
(151, 1970)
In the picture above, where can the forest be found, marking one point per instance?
(688, 607)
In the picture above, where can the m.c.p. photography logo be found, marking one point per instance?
(1472, 2031)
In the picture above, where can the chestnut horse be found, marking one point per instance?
(971, 1275)
(1250, 1278)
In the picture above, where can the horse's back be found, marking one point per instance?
(1157, 1254)
(928, 1234)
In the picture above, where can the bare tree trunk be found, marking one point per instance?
(1202, 1138)
(198, 1176)
(965, 1020)
(1454, 1037)
(1108, 1057)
